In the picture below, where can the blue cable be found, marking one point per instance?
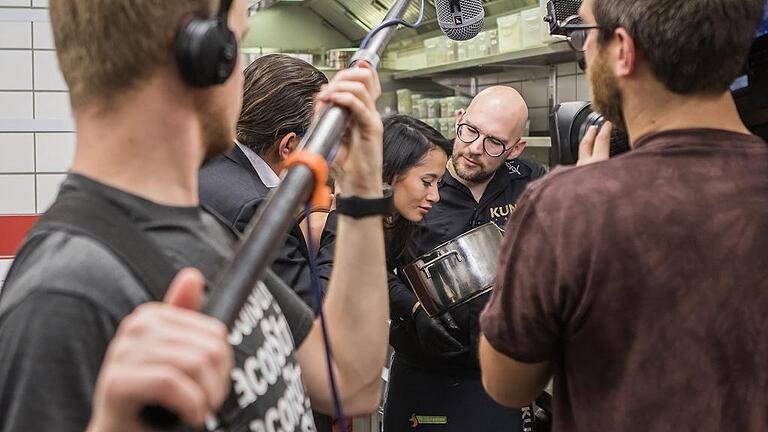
(315, 279)
(393, 22)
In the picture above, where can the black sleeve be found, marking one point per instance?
(401, 298)
(327, 249)
(50, 355)
(246, 213)
(292, 265)
(292, 262)
(300, 318)
(537, 170)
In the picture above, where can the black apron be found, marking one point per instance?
(419, 400)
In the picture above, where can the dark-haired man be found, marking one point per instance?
(640, 282)
(278, 103)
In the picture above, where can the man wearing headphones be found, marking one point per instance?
(127, 220)
(639, 283)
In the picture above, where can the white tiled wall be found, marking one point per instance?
(17, 194)
(572, 85)
(17, 153)
(16, 105)
(32, 93)
(15, 35)
(4, 266)
(47, 73)
(47, 188)
(54, 151)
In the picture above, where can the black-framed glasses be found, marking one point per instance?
(468, 134)
(576, 32)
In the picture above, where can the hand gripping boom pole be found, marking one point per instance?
(268, 229)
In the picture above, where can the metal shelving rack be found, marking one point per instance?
(543, 55)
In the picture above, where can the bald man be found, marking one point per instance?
(435, 375)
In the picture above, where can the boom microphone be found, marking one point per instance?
(460, 19)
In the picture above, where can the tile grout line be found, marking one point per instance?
(34, 112)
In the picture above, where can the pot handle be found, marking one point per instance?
(425, 267)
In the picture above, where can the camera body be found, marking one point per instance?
(568, 123)
(558, 11)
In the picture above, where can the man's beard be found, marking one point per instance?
(606, 95)
(218, 134)
(479, 175)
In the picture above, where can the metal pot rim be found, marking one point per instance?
(441, 245)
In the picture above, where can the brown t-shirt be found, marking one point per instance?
(644, 281)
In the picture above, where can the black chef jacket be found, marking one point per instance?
(456, 213)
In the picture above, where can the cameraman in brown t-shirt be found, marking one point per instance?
(641, 283)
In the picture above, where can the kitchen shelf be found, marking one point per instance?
(539, 142)
(542, 55)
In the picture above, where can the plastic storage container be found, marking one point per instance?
(446, 126)
(416, 105)
(510, 32)
(430, 108)
(434, 122)
(463, 49)
(423, 110)
(449, 105)
(411, 59)
(432, 51)
(481, 45)
(447, 49)
(493, 42)
(531, 20)
(404, 101)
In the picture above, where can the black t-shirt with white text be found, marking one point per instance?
(66, 295)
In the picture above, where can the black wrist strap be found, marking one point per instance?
(357, 207)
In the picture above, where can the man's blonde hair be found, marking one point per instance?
(107, 47)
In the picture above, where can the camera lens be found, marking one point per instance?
(619, 139)
(569, 122)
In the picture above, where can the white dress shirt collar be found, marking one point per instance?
(267, 176)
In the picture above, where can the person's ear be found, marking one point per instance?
(625, 53)
(287, 145)
(517, 149)
(460, 116)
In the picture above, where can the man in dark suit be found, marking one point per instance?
(278, 104)
(231, 185)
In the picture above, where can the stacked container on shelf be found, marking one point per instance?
(404, 101)
(416, 106)
(449, 106)
(520, 30)
(447, 125)
(532, 21)
(439, 113)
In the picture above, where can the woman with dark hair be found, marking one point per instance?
(415, 157)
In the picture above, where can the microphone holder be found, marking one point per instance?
(268, 229)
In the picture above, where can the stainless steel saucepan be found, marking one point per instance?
(457, 271)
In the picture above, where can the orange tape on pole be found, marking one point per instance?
(321, 196)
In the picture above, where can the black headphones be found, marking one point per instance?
(206, 49)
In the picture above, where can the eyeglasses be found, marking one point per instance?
(576, 33)
(491, 146)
